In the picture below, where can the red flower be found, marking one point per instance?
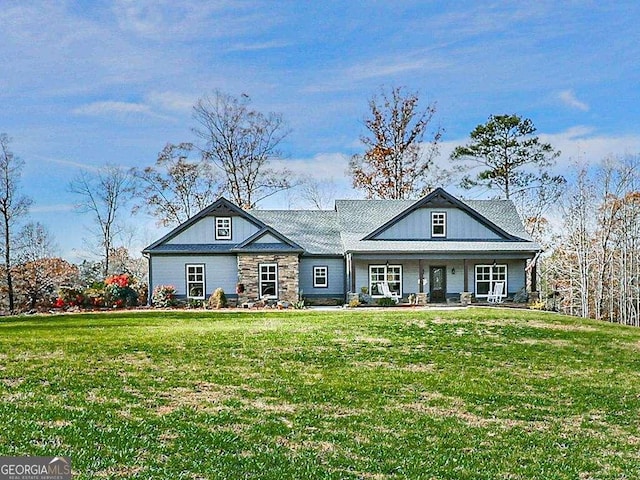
(59, 303)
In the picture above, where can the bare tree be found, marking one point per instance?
(595, 265)
(397, 163)
(579, 227)
(103, 195)
(13, 207)
(242, 142)
(34, 242)
(176, 188)
(319, 194)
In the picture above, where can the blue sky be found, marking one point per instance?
(86, 83)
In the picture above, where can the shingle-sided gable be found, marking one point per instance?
(268, 240)
(460, 220)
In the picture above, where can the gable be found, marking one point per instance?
(203, 231)
(417, 226)
(268, 239)
(462, 222)
(200, 229)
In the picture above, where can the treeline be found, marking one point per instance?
(589, 232)
(592, 268)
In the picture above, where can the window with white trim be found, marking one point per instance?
(321, 277)
(487, 276)
(390, 274)
(223, 228)
(438, 224)
(268, 280)
(195, 281)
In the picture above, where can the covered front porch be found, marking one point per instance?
(436, 279)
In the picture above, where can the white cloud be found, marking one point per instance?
(102, 108)
(323, 166)
(174, 101)
(52, 208)
(249, 47)
(568, 97)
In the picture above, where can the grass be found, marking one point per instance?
(458, 394)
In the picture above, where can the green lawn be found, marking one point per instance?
(456, 394)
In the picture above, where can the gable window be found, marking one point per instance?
(195, 281)
(223, 228)
(320, 277)
(438, 224)
(487, 276)
(268, 280)
(389, 274)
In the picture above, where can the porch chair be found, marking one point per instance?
(386, 292)
(497, 294)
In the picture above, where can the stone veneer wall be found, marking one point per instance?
(249, 275)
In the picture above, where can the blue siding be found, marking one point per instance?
(459, 225)
(203, 231)
(220, 271)
(336, 276)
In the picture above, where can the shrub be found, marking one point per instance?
(218, 299)
(386, 302)
(94, 297)
(119, 297)
(354, 302)
(163, 296)
(70, 296)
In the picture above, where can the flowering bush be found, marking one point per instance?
(117, 296)
(163, 296)
(70, 297)
(122, 281)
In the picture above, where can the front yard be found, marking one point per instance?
(476, 393)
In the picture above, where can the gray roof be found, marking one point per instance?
(334, 232)
(314, 230)
(502, 213)
(358, 218)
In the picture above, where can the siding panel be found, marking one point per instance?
(417, 225)
(203, 231)
(220, 271)
(336, 276)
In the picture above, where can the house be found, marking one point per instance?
(438, 246)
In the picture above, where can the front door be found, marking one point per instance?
(438, 284)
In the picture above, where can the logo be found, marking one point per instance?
(35, 468)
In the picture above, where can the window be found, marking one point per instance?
(438, 224)
(223, 228)
(269, 280)
(391, 274)
(195, 281)
(320, 277)
(487, 276)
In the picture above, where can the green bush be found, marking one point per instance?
(218, 299)
(163, 296)
(386, 302)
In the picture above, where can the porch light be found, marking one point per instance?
(453, 271)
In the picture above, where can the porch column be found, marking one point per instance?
(466, 275)
(352, 266)
(420, 277)
(534, 275)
